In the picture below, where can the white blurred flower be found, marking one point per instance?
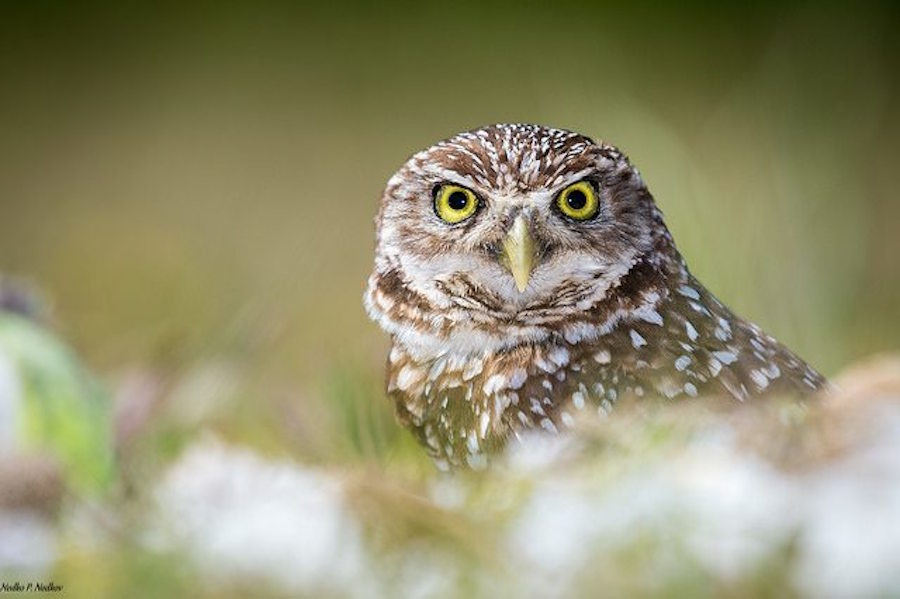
(850, 544)
(10, 403)
(242, 517)
(718, 506)
(29, 543)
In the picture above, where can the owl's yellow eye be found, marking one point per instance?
(578, 201)
(454, 203)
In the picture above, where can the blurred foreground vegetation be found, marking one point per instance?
(661, 499)
(192, 191)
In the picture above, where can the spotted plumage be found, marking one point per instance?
(550, 287)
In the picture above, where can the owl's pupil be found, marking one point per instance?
(576, 200)
(457, 200)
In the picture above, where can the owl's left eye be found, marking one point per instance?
(578, 201)
(454, 204)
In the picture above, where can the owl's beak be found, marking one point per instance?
(519, 252)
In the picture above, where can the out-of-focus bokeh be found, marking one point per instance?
(199, 179)
(191, 189)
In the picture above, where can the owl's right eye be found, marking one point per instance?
(454, 204)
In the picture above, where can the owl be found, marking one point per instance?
(524, 275)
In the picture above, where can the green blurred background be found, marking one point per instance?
(196, 183)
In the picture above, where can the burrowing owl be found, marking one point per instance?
(525, 274)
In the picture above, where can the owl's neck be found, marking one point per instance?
(465, 341)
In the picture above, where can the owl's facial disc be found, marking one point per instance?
(514, 224)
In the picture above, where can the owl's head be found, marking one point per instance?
(519, 225)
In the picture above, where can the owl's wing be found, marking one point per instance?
(700, 347)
